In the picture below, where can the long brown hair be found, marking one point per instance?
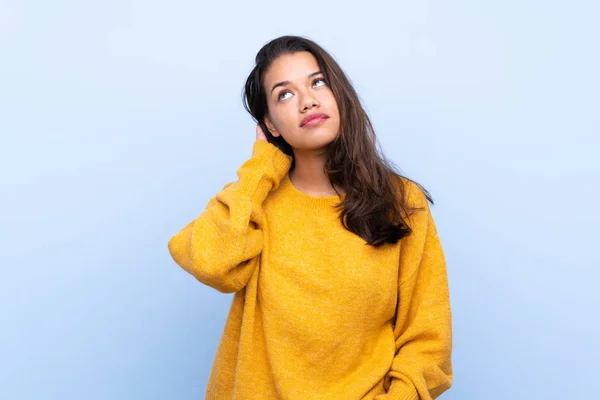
(376, 206)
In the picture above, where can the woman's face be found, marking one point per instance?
(296, 88)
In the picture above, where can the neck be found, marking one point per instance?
(309, 177)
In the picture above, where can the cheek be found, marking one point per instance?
(331, 102)
(285, 117)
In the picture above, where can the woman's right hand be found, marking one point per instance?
(260, 135)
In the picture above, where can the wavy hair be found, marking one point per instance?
(376, 204)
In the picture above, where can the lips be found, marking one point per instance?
(313, 117)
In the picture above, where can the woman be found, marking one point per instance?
(339, 277)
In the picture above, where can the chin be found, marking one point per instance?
(317, 143)
(312, 139)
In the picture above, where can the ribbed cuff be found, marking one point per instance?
(400, 391)
(263, 171)
(268, 151)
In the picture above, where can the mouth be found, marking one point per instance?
(314, 119)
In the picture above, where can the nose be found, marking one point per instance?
(308, 101)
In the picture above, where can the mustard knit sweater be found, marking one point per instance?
(314, 312)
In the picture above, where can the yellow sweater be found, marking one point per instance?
(314, 312)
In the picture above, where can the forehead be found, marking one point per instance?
(291, 67)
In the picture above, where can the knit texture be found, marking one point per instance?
(317, 313)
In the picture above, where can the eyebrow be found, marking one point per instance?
(283, 83)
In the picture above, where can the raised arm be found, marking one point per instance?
(222, 246)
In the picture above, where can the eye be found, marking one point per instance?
(284, 92)
(322, 80)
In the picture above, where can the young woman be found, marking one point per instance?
(339, 277)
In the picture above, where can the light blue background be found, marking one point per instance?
(119, 119)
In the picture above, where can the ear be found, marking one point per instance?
(271, 127)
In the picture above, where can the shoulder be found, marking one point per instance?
(412, 193)
(417, 212)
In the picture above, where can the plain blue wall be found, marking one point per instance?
(119, 119)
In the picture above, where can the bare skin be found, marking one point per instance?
(260, 135)
(296, 89)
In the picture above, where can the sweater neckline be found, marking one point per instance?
(305, 199)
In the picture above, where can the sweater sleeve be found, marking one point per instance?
(422, 368)
(221, 247)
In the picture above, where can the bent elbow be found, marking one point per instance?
(180, 252)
